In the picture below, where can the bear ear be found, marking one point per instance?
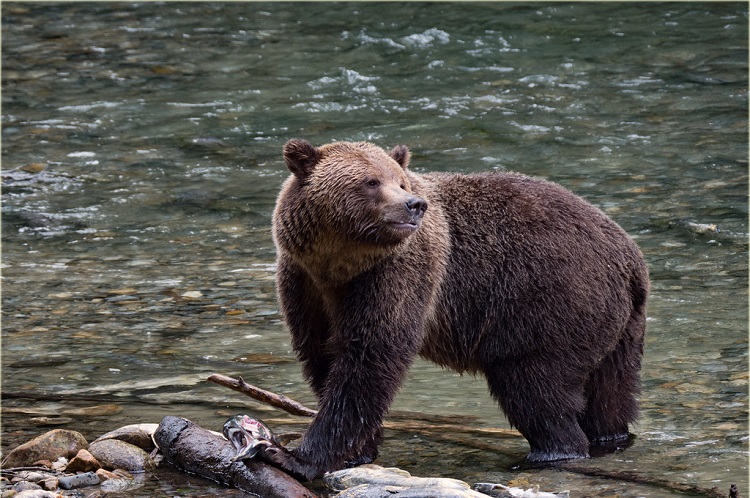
(301, 157)
(401, 154)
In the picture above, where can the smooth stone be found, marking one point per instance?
(140, 435)
(29, 476)
(26, 485)
(49, 446)
(50, 484)
(116, 454)
(78, 480)
(382, 491)
(105, 475)
(37, 493)
(33, 167)
(374, 481)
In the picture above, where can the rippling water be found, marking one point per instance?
(141, 160)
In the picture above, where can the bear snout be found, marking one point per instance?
(416, 206)
(404, 217)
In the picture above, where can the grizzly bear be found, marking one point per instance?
(499, 274)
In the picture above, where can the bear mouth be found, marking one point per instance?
(399, 226)
(404, 226)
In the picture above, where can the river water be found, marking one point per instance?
(141, 157)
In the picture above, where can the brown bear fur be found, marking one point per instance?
(501, 274)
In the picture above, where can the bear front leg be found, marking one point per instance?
(371, 334)
(369, 452)
(370, 353)
(347, 428)
(361, 386)
(309, 327)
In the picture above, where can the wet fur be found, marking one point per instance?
(508, 276)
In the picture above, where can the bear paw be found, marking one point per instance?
(287, 461)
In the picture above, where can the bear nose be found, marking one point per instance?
(416, 205)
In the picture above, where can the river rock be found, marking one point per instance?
(33, 167)
(116, 454)
(140, 435)
(42, 421)
(78, 480)
(502, 491)
(84, 461)
(37, 493)
(94, 411)
(49, 446)
(105, 475)
(29, 475)
(386, 491)
(26, 486)
(33, 480)
(50, 484)
(123, 484)
(374, 481)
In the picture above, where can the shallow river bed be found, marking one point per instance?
(142, 155)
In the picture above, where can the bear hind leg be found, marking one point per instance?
(612, 390)
(544, 411)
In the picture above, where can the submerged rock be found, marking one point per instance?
(49, 446)
(122, 484)
(501, 491)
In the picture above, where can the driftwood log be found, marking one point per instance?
(448, 429)
(199, 451)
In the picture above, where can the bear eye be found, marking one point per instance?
(403, 187)
(373, 183)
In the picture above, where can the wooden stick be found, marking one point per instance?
(276, 400)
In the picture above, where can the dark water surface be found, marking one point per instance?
(141, 157)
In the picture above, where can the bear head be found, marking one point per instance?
(356, 189)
